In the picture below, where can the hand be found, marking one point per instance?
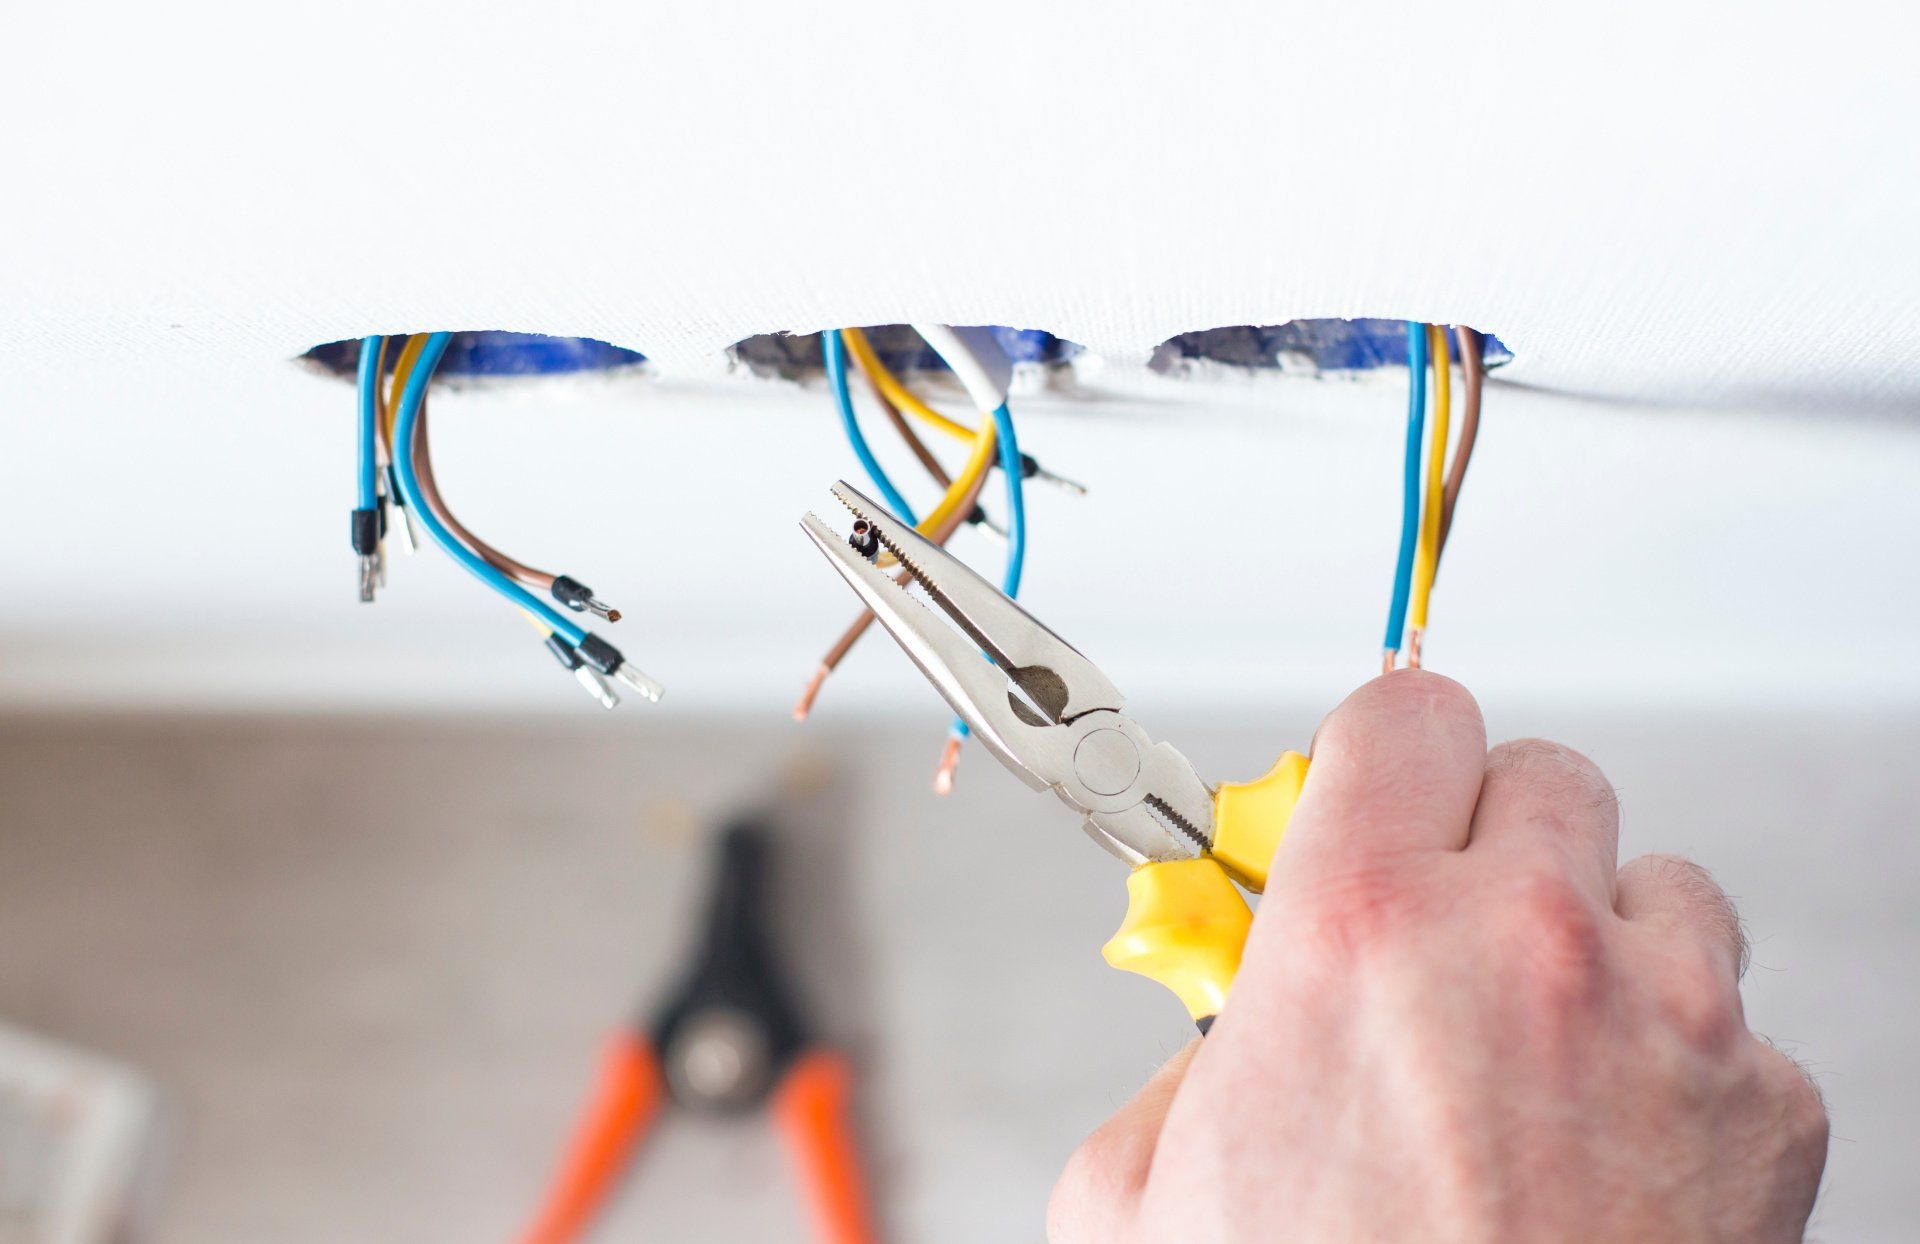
(1456, 1021)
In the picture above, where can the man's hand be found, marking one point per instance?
(1457, 1021)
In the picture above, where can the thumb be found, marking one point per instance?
(1096, 1193)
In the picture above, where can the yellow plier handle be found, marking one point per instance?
(1186, 922)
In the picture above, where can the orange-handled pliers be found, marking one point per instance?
(728, 1039)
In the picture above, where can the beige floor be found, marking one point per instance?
(371, 961)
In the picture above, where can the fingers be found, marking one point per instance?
(1666, 891)
(1104, 1178)
(1396, 769)
(1544, 802)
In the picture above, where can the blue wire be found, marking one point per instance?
(409, 414)
(1017, 515)
(836, 358)
(369, 384)
(1410, 507)
(1016, 498)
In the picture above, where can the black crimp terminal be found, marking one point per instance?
(366, 532)
(563, 653)
(600, 654)
(572, 593)
(1029, 465)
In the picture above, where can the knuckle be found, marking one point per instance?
(1684, 875)
(1804, 1107)
(1558, 941)
(1697, 1002)
(1706, 902)
(1564, 772)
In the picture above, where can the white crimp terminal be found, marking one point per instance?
(389, 487)
(596, 686)
(369, 575)
(409, 540)
(627, 674)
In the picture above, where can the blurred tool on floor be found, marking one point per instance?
(1053, 718)
(728, 1039)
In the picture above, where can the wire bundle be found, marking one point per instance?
(393, 428)
(992, 441)
(1426, 516)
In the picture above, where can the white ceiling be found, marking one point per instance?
(1694, 226)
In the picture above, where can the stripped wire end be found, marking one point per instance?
(380, 534)
(949, 761)
(409, 538)
(812, 692)
(980, 520)
(578, 597)
(589, 678)
(1030, 468)
(1413, 648)
(1389, 657)
(366, 547)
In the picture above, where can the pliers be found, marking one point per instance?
(727, 1040)
(1055, 720)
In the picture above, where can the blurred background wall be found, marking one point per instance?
(370, 962)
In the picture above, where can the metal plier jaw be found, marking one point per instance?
(1045, 710)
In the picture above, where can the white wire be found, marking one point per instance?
(987, 393)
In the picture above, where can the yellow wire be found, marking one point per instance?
(1426, 560)
(978, 463)
(898, 393)
(402, 368)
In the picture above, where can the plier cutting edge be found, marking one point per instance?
(1055, 720)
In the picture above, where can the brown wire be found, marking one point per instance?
(939, 535)
(1472, 359)
(907, 434)
(430, 493)
(430, 489)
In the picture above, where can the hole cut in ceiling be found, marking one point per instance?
(493, 354)
(1318, 347)
(1328, 347)
(796, 356)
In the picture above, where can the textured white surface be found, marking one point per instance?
(1704, 216)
